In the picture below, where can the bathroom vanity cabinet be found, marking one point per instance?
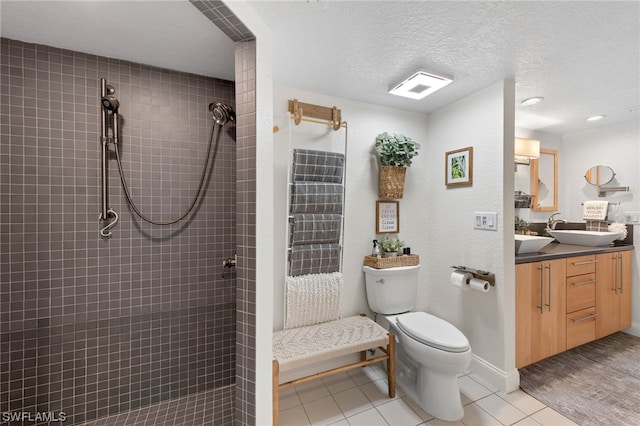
(540, 310)
(581, 300)
(614, 292)
(564, 303)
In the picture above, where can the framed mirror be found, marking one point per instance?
(599, 175)
(544, 181)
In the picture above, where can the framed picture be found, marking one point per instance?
(387, 217)
(459, 167)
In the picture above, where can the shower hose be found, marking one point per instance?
(195, 199)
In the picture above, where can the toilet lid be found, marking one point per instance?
(433, 331)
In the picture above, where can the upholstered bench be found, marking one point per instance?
(304, 346)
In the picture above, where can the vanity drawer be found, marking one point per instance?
(581, 292)
(581, 265)
(581, 327)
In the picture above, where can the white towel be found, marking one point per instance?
(595, 210)
(312, 299)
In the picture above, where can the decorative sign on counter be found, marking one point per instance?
(387, 217)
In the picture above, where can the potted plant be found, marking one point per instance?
(522, 226)
(390, 246)
(395, 153)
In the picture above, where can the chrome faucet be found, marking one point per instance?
(551, 222)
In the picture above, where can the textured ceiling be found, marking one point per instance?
(582, 56)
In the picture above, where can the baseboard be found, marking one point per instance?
(494, 376)
(634, 329)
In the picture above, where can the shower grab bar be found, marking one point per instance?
(106, 212)
(104, 141)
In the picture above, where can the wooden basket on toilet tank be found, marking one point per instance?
(392, 262)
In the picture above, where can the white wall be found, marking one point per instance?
(436, 222)
(365, 122)
(483, 120)
(616, 146)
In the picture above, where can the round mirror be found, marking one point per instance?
(599, 175)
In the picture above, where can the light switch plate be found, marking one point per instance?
(632, 217)
(486, 221)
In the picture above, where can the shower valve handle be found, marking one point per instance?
(230, 262)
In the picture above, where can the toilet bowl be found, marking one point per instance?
(430, 352)
(439, 358)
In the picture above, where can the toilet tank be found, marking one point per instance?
(391, 290)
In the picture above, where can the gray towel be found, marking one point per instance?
(315, 228)
(314, 259)
(316, 197)
(317, 166)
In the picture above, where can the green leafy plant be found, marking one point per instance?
(458, 167)
(522, 225)
(395, 150)
(391, 244)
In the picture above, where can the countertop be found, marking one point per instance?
(558, 251)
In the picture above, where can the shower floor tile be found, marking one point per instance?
(203, 408)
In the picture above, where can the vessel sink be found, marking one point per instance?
(530, 243)
(584, 238)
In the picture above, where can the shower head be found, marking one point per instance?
(110, 103)
(222, 113)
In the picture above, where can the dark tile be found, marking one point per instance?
(105, 325)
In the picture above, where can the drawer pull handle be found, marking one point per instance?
(584, 282)
(588, 317)
(587, 262)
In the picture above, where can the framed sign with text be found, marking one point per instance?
(387, 217)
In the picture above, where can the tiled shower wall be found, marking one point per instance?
(91, 326)
(245, 388)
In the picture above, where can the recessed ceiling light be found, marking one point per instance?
(420, 85)
(532, 101)
(596, 117)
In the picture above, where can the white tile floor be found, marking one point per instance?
(359, 397)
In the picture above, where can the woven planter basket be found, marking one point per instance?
(391, 181)
(392, 262)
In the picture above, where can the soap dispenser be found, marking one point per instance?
(376, 249)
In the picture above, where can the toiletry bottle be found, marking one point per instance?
(376, 249)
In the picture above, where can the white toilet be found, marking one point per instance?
(430, 352)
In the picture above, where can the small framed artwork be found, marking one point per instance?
(387, 217)
(459, 167)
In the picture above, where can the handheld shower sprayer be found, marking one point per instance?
(222, 113)
(109, 101)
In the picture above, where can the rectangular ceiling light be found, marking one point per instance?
(420, 85)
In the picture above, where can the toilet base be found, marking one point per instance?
(441, 400)
(439, 395)
(434, 389)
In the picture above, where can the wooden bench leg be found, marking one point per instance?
(276, 392)
(391, 365)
